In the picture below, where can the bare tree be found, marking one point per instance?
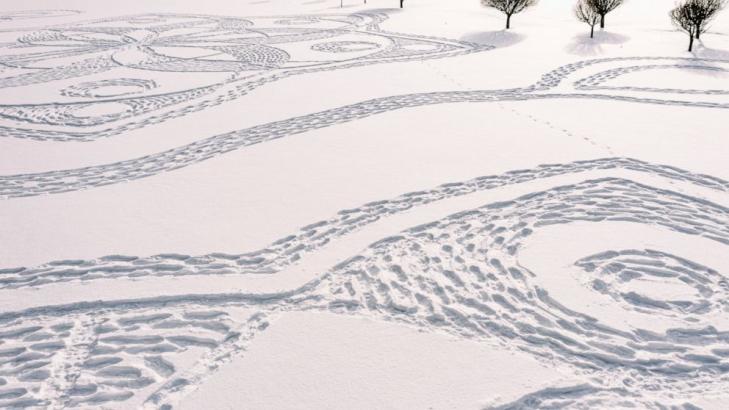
(681, 17)
(693, 16)
(509, 7)
(703, 11)
(603, 7)
(586, 14)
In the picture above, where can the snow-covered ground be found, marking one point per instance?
(288, 204)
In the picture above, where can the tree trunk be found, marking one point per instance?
(401, 1)
(508, 21)
(592, 31)
(698, 31)
(602, 21)
(691, 42)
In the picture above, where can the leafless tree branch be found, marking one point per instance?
(603, 7)
(509, 7)
(693, 16)
(587, 14)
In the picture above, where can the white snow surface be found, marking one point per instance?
(288, 204)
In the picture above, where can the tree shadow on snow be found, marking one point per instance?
(500, 38)
(345, 6)
(701, 51)
(711, 68)
(583, 45)
(374, 11)
(385, 10)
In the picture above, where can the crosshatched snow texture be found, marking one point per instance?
(295, 204)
